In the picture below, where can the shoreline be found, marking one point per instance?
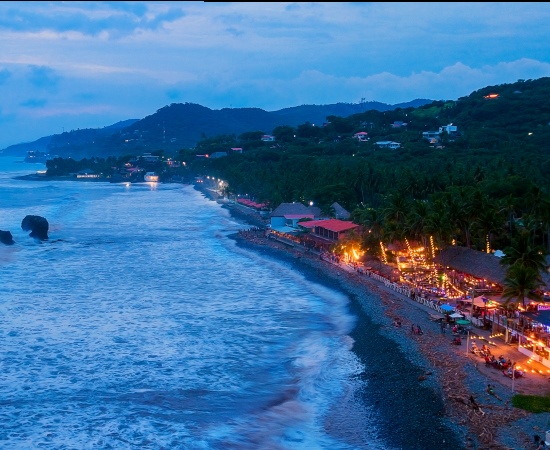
(439, 377)
(418, 393)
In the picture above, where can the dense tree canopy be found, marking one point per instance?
(478, 187)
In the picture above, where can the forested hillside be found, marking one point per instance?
(492, 171)
(474, 172)
(183, 125)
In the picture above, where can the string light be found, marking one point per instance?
(432, 246)
(384, 258)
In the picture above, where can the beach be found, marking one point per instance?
(424, 374)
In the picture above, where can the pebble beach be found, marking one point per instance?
(420, 385)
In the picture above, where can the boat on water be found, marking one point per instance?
(151, 176)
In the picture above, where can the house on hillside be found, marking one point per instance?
(429, 135)
(388, 144)
(398, 124)
(237, 150)
(448, 128)
(285, 217)
(147, 157)
(452, 130)
(362, 136)
(268, 138)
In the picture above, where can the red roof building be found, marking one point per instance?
(331, 229)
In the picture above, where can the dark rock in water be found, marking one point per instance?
(6, 238)
(37, 225)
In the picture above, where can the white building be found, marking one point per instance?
(388, 144)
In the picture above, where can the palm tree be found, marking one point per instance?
(488, 221)
(520, 283)
(417, 220)
(396, 210)
(438, 224)
(540, 212)
(507, 206)
(371, 219)
(522, 253)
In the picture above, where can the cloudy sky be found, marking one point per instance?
(69, 65)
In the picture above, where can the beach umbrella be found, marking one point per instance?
(463, 322)
(446, 307)
(455, 315)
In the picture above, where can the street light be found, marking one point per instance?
(472, 306)
(513, 375)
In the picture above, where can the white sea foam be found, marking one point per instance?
(139, 324)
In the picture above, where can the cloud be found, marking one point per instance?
(117, 19)
(91, 64)
(43, 77)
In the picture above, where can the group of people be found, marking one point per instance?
(507, 366)
(457, 329)
(484, 351)
(500, 363)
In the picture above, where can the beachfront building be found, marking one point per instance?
(471, 271)
(482, 275)
(323, 234)
(285, 218)
(331, 230)
(87, 173)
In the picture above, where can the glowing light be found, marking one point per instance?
(384, 258)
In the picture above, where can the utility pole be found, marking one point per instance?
(472, 306)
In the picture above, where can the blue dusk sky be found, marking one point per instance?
(69, 65)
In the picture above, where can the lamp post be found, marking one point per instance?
(513, 375)
(472, 306)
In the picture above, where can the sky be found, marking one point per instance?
(71, 65)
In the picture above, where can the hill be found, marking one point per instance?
(183, 125)
(498, 137)
(317, 114)
(67, 143)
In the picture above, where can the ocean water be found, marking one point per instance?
(140, 324)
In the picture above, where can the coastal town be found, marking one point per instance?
(458, 284)
(456, 317)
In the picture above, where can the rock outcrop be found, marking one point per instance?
(6, 238)
(37, 225)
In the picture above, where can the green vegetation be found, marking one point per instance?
(481, 186)
(532, 403)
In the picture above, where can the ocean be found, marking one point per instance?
(140, 324)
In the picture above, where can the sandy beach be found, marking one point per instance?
(424, 375)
